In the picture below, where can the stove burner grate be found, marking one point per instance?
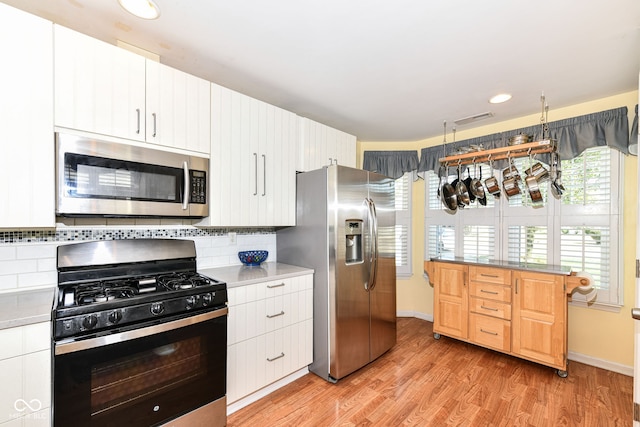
(105, 291)
(177, 281)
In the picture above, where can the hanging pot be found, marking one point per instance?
(467, 183)
(493, 187)
(448, 194)
(510, 187)
(534, 189)
(476, 187)
(538, 171)
(462, 192)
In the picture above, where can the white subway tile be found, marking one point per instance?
(8, 282)
(7, 253)
(18, 266)
(29, 280)
(35, 251)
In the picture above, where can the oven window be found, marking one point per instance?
(142, 382)
(97, 177)
(131, 378)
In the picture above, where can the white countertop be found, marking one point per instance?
(25, 307)
(241, 275)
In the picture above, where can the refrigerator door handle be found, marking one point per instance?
(373, 254)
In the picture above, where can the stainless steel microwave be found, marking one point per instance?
(111, 179)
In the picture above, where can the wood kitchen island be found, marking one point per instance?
(515, 308)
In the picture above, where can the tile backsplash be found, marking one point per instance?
(28, 257)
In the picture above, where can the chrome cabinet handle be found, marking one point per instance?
(516, 286)
(488, 308)
(187, 186)
(330, 161)
(154, 124)
(635, 313)
(264, 174)
(275, 286)
(255, 167)
(489, 275)
(271, 316)
(275, 358)
(138, 120)
(488, 332)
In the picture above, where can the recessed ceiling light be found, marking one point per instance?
(145, 9)
(502, 97)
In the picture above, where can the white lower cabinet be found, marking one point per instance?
(25, 364)
(270, 333)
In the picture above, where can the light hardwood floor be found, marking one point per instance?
(428, 382)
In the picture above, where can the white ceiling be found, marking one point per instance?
(385, 70)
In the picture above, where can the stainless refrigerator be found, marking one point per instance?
(345, 231)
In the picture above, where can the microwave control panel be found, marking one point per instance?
(198, 187)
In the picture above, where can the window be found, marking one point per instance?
(578, 230)
(403, 225)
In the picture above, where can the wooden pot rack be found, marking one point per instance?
(502, 153)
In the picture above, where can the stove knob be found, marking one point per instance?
(206, 299)
(157, 308)
(192, 301)
(115, 316)
(90, 321)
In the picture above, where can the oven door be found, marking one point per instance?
(145, 376)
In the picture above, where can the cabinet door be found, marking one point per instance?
(539, 317)
(27, 194)
(99, 87)
(178, 108)
(451, 300)
(253, 154)
(322, 145)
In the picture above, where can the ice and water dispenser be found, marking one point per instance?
(353, 241)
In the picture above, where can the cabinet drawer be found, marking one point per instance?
(491, 308)
(498, 276)
(259, 317)
(491, 291)
(258, 362)
(259, 291)
(490, 332)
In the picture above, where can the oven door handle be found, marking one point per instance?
(72, 347)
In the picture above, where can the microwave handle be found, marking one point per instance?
(187, 186)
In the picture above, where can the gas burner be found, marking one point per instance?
(101, 292)
(178, 281)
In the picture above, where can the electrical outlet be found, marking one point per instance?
(232, 238)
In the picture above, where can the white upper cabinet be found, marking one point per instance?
(99, 87)
(178, 109)
(322, 145)
(26, 107)
(104, 89)
(253, 162)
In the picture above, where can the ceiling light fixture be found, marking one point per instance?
(500, 98)
(145, 9)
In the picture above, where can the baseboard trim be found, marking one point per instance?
(600, 363)
(253, 397)
(416, 314)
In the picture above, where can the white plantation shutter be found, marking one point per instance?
(528, 244)
(403, 225)
(479, 241)
(580, 230)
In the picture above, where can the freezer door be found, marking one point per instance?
(349, 309)
(383, 293)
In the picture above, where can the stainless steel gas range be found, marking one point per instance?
(139, 336)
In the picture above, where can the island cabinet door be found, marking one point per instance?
(451, 300)
(539, 318)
